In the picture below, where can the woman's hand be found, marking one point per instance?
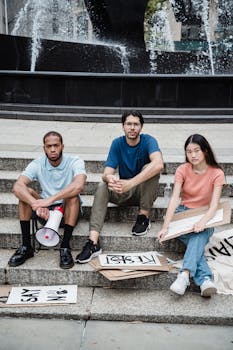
(199, 226)
(162, 233)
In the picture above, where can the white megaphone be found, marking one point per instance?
(48, 235)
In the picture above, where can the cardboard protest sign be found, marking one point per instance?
(133, 261)
(183, 222)
(117, 274)
(37, 295)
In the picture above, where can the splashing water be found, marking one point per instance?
(160, 35)
(46, 19)
(203, 9)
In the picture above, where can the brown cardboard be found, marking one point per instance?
(198, 211)
(116, 275)
(163, 267)
(122, 274)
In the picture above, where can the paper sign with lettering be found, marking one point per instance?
(129, 260)
(33, 295)
(183, 222)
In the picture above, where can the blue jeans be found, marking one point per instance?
(194, 259)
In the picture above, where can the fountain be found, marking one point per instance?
(132, 58)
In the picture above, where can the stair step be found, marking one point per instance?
(14, 107)
(7, 179)
(160, 116)
(43, 269)
(9, 203)
(114, 236)
(94, 162)
(107, 304)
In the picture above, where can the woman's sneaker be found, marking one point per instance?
(180, 284)
(90, 251)
(208, 288)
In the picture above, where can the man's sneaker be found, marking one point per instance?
(141, 226)
(180, 284)
(90, 251)
(208, 288)
(21, 255)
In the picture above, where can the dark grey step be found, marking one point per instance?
(116, 111)
(168, 117)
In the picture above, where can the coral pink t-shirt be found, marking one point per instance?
(197, 189)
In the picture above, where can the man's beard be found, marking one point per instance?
(54, 159)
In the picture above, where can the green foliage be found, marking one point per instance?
(152, 7)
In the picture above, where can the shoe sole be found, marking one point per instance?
(208, 292)
(94, 255)
(141, 233)
(66, 266)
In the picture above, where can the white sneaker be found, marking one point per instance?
(180, 284)
(208, 288)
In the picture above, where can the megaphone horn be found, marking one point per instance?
(48, 235)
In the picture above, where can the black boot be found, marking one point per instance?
(21, 255)
(66, 259)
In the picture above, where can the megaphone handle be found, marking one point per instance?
(34, 230)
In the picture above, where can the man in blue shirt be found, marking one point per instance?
(139, 162)
(61, 178)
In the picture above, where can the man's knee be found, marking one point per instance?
(73, 202)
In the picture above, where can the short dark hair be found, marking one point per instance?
(53, 133)
(134, 114)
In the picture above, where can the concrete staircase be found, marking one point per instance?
(143, 299)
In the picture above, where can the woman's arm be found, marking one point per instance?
(173, 203)
(200, 225)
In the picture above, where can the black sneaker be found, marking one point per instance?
(20, 256)
(141, 226)
(90, 251)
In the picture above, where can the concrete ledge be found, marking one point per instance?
(161, 306)
(136, 306)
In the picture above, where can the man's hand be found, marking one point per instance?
(41, 203)
(43, 213)
(121, 186)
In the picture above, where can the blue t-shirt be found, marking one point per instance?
(54, 179)
(131, 159)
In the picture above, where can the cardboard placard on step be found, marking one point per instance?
(183, 222)
(11, 296)
(117, 275)
(158, 264)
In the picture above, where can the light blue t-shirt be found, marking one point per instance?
(54, 179)
(131, 159)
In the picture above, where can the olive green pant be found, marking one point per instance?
(142, 195)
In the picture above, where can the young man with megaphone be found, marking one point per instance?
(62, 178)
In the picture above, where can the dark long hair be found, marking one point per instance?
(205, 147)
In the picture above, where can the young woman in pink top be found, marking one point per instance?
(199, 182)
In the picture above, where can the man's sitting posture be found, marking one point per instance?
(139, 161)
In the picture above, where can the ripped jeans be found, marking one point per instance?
(194, 260)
